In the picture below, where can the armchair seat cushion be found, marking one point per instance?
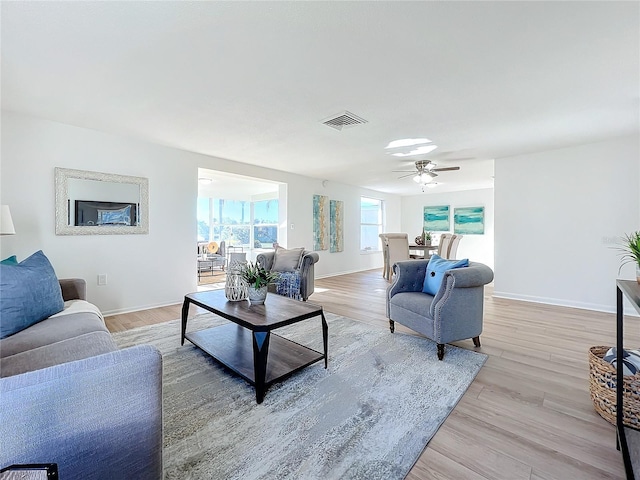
(413, 309)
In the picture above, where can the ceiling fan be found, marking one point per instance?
(425, 171)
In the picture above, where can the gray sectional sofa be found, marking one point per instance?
(69, 396)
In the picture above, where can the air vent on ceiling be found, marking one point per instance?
(343, 119)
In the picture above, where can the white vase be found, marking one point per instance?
(235, 288)
(257, 296)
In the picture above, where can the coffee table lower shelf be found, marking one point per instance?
(232, 346)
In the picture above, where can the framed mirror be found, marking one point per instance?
(94, 203)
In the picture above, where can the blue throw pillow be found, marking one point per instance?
(30, 292)
(12, 260)
(435, 272)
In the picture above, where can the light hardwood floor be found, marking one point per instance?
(527, 415)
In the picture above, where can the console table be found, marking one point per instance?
(628, 437)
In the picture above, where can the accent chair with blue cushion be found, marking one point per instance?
(455, 310)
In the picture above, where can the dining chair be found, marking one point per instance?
(443, 246)
(385, 255)
(453, 246)
(397, 250)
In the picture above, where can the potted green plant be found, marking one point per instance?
(631, 252)
(258, 279)
(427, 238)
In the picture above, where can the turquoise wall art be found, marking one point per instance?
(336, 226)
(320, 220)
(436, 218)
(468, 221)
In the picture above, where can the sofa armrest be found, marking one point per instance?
(96, 417)
(473, 276)
(265, 259)
(73, 288)
(307, 274)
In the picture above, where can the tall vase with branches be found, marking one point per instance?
(631, 252)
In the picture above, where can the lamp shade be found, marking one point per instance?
(6, 223)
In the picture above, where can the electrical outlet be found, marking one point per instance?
(102, 279)
(293, 226)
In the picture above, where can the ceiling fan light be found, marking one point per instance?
(417, 178)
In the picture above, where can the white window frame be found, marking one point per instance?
(380, 224)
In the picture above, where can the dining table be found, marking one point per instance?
(425, 249)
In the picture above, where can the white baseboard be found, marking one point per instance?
(347, 272)
(120, 311)
(564, 303)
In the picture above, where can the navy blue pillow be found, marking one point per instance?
(435, 272)
(30, 292)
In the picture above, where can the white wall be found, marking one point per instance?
(477, 248)
(159, 268)
(556, 214)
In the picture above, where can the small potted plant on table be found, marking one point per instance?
(257, 279)
(427, 239)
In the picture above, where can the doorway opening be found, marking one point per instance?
(238, 217)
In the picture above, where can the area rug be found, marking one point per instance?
(368, 416)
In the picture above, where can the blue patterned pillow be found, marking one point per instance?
(435, 272)
(30, 292)
(288, 284)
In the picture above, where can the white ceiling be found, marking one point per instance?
(252, 81)
(216, 184)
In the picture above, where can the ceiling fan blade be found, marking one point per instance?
(408, 175)
(403, 171)
(444, 169)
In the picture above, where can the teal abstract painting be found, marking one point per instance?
(336, 225)
(436, 218)
(320, 219)
(468, 221)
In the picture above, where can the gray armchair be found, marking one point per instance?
(454, 313)
(306, 267)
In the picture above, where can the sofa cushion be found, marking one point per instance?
(12, 260)
(287, 260)
(435, 272)
(54, 329)
(69, 350)
(30, 292)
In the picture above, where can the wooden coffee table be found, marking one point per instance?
(247, 345)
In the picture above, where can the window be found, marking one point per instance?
(265, 223)
(371, 215)
(239, 223)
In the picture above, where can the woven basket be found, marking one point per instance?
(602, 386)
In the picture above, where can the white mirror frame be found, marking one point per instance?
(62, 175)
